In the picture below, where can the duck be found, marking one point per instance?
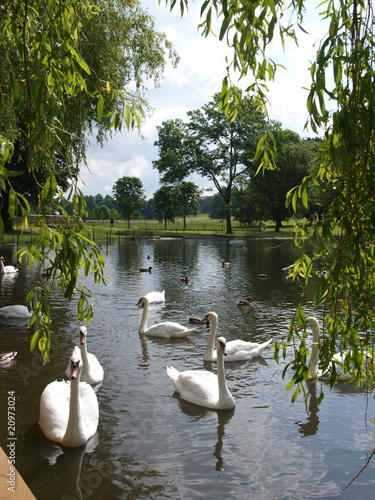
(338, 359)
(263, 276)
(157, 260)
(197, 321)
(153, 298)
(184, 279)
(145, 269)
(204, 388)
(149, 257)
(166, 329)
(7, 357)
(225, 264)
(237, 350)
(69, 410)
(92, 371)
(19, 311)
(248, 302)
(6, 269)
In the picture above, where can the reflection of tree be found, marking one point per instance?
(73, 461)
(224, 417)
(310, 427)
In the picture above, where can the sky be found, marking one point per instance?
(190, 86)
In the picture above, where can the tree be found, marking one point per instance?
(166, 205)
(129, 196)
(212, 146)
(188, 197)
(263, 196)
(104, 212)
(65, 72)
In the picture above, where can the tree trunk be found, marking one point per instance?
(129, 222)
(228, 220)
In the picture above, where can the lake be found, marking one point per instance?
(150, 443)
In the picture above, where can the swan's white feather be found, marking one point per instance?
(237, 350)
(165, 329)
(69, 426)
(204, 388)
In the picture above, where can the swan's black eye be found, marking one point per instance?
(222, 344)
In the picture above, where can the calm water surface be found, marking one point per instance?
(150, 444)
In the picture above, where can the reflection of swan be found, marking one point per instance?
(92, 371)
(7, 357)
(204, 388)
(166, 329)
(6, 269)
(237, 349)
(310, 427)
(20, 311)
(154, 298)
(223, 417)
(73, 461)
(69, 411)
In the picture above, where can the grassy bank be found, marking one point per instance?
(200, 226)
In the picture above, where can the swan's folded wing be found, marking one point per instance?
(198, 387)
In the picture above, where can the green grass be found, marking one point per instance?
(199, 226)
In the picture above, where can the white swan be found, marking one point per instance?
(19, 311)
(166, 329)
(92, 371)
(154, 297)
(338, 359)
(7, 357)
(238, 350)
(69, 411)
(204, 388)
(6, 269)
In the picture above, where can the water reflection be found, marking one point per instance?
(223, 418)
(311, 426)
(73, 461)
(153, 445)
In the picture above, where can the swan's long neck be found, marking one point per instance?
(314, 356)
(224, 394)
(85, 367)
(74, 433)
(2, 270)
(209, 351)
(143, 326)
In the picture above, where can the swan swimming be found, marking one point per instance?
(165, 329)
(19, 311)
(154, 298)
(338, 359)
(7, 357)
(69, 411)
(237, 350)
(204, 388)
(6, 269)
(92, 371)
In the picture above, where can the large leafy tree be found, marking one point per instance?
(188, 197)
(263, 196)
(129, 195)
(65, 72)
(211, 145)
(166, 206)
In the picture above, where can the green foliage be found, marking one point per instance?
(64, 72)
(166, 205)
(129, 195)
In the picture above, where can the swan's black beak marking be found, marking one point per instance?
(74, 369)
